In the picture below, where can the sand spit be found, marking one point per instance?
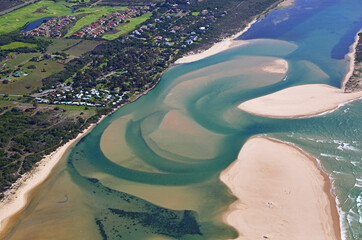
(221, 46)
(16, 197)
(282, 194)
(299, 101)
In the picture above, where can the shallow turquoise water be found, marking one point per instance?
(179, 136)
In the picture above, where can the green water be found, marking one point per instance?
(150, 170)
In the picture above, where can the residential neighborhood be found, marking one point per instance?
(107, 23)
(51, 28)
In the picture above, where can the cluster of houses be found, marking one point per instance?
(51, 28)
(107, 23)
(91, 98)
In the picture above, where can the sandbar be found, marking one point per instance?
(282, 194)
(299, 101)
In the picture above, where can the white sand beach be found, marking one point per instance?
(299, 101)
(16, 198)
(221, 46)
(282, 194)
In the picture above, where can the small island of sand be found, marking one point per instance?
(299, 101)
(282, 194)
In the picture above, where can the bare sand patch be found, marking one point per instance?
(299, 101)
(179, 135)
(282, 194)
(277, 66)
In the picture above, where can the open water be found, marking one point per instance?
(150, 170)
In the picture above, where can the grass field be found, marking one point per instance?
(83, 47)
(26, 84)
(18, 18)
(128, 27)
(62, 44)
(15, 45)
(93, 14)
(19, 59)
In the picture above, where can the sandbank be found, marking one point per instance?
(277, 66)
(299, 101)
(286, 3)
(218, 47)
(282, 194)
(16, 198)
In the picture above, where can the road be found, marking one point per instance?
(16, 7)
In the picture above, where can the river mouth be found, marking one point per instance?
(165, 151)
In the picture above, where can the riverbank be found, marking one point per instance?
(282, 192)
(16, 198)
(225, 44)
(230, 42)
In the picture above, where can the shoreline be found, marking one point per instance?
(218, 47)
(279, 215)
(230, 42)
(16, 197)
(351, 55)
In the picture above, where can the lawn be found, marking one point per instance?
(94, 14)
(20, 17)
(15, 45)
(128, 27)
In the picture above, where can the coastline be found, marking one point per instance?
(223, 45)
(351, 55)
(274, 200)
(16, 198)
(230, 42)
